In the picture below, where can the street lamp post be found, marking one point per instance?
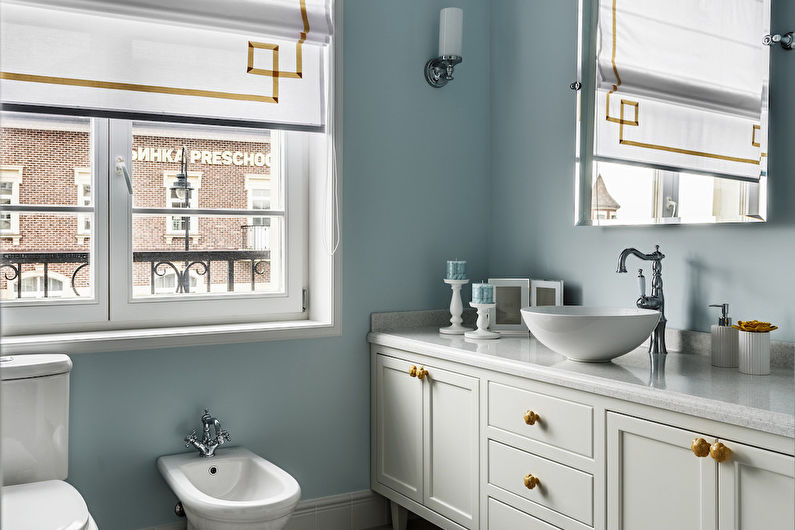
(182, 189)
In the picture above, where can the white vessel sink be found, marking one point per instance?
(590, 334)
(234, 489)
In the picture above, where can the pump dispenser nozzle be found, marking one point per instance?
(724, 319)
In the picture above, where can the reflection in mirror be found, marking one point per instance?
(672, 111)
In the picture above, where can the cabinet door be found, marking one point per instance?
(757, 489)
(451, 446)
(654, 481)
(398, 427)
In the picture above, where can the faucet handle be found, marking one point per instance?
(190, 438)
(641, 283)
(223, 436)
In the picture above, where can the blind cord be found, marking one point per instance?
(331, 192)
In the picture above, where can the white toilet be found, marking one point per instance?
(35, 446)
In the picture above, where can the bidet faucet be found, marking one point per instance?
(657, 299)
(208, 445)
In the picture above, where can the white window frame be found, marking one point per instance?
(29, 317)
(85, 331)
(13, 174)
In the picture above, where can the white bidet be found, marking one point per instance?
(233, 490)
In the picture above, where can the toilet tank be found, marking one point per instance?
(34, 417)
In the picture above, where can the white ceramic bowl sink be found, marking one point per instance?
(590, 334)
(235, 489)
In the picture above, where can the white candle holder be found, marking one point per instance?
(483, 323)
(456, 309)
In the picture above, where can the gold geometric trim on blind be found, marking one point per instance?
(636, 122)
(275, 73)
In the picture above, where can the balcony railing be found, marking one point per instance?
(161, 262)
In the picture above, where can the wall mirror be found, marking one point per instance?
(672, 112)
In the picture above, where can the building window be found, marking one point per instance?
(10, 181)
(84, 198)
(33, 285)
(175, 224)
(168, 283)
(261, 192)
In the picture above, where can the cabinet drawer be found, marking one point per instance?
(502, 516)
(561, 488)
(563, 424)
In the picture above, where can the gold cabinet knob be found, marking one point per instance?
(530, 481)
(719, 452)
(413, 371)
(700, 447)
(531, 417)
(422, 373)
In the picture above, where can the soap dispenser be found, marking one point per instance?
(725, 340)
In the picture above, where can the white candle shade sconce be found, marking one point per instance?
(439, 70)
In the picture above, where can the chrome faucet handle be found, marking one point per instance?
(189, 439)
(223, 436)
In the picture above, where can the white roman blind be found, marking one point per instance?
(682, 84)
(259, 61)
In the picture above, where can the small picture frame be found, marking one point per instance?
(510, 296)
(546, 292)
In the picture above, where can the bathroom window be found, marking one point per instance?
(236, 239)
(246, 217)
(50, 262)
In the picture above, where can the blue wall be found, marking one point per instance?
(480, 168)
(532, 121)
(415, 193)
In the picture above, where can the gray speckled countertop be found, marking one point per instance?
(765, 403)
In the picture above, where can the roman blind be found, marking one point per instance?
(241, 60)
(682, 84)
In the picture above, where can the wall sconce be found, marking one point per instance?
(439, 70)
(786, 40)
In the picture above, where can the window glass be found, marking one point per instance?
(46, 162)
(213, 252)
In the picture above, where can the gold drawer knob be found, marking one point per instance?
(700, 447)
(413, 371)
(719, 452)
(531, 417)
(422, 373)
(530, 481)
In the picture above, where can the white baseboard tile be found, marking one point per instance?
(180, 525)
(358, 510)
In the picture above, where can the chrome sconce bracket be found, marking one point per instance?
(787, 40)
(439, 70)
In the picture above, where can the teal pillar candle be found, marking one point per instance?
(482, 293)
(456, 270)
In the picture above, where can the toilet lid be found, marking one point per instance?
(51, 504)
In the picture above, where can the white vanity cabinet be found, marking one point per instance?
(425, 439)
(655, 480)
(477, 444)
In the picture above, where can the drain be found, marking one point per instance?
(213, 470)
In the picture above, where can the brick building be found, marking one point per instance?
(50, 163)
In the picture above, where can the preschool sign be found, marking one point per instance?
(196, 156)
